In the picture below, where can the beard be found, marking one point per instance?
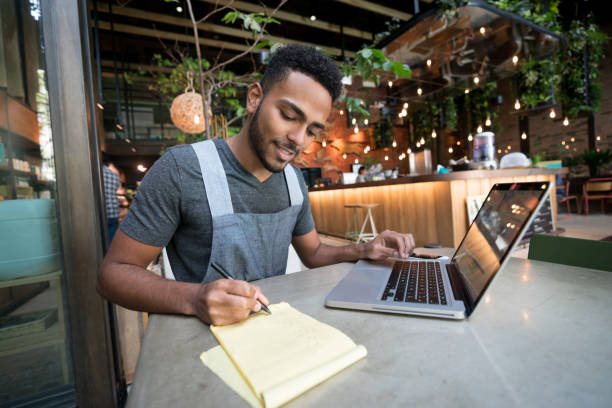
(256, 139)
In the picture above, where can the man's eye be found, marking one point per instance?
(311, 133)
(285, 116)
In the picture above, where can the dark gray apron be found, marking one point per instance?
(248, 246)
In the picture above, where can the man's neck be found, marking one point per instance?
(244, 152)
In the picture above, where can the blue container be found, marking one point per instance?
(29, 240)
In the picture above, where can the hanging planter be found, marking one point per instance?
(187, 110)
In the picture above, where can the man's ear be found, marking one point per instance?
(254, 97)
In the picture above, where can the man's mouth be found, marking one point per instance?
(285, 152)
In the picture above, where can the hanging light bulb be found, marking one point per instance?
(399, 115)
(418, 144)
(390, 83)
(488, 121)
(365, 121)
(404, 112)
(509, 147)
(394, 144)
(386, 157)
(566, 121)
(450, 149)
(598, 138)
(524, 136)
(196, 119)
(515, 60)
(356, 129)
(428, 62)
(552, 113)
(100, 106)
(458, 142)
(119, 126)
(401, 156)
(324, 143)
(354, 121)
(405, 105)
(419, 91)
(476, 80)
(479, 129)
(341, 112)
(422, 141)
(344, 156)
(470, 137)
(356, 161)
(434, 134)
(572, 140)
(563, 142)
(409, 150)
(467, 91)
(517, 105)
(483, 30)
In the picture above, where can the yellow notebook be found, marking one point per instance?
(279, 356)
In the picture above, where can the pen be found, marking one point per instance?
(226, 275)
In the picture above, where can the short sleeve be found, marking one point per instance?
(304, 223)
(155, 212)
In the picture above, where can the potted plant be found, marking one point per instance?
(595, 160)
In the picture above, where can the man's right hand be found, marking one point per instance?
(226, 301)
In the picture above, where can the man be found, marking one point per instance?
(111, 186)
(237, 203)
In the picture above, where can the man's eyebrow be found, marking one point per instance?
(301, 114)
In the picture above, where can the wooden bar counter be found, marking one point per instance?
(431, 207)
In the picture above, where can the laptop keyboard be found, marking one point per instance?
(416, 282)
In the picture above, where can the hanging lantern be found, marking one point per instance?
(187, 110)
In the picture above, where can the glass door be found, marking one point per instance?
(35, 358)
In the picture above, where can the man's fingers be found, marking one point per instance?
(238, 287)
(260, 296)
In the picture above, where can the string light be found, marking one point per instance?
(476, 80)
(428, 62)
(409, 150)
(386, 157)
(119, 126)
(458, 142)
(434, 134)
(196, 119)
(467, 91)
(422, 141)
(572, 140)
(405, 105)
(514, 60)
(179, 9)
(313, 18)
(418, 144)
(566, 121)
(100, 106)
(400, 115)
(483, 30)
(498, 151)
(517, 105)
(365, 121)
(356, 129)
(390, 83)
(450, 149)
(509, 147)
(419, 91)
(524, 136)
(470, 137)
(356, 161)
(324, 143)
(488, 121)
(552, 113)
(394, 144)
(341, 112)
(563, 142)
(598, 138)
(479, 129)
(344, 156)
(354, 121)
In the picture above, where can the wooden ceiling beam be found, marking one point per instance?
(295, 18)
(377, 8)
(207, 27)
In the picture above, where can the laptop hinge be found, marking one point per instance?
(459, 290)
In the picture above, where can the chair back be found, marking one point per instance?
(596, 185)
(584, 253)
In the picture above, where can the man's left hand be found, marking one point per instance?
(389, 244)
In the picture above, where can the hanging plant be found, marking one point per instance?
(575, 93)
(450, 113)
(382, 134)
(537, 82)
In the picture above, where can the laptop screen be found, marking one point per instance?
(499, 223)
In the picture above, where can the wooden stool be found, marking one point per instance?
(352, 232)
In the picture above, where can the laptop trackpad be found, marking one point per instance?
(364, 282)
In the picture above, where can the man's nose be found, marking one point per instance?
(298, 134)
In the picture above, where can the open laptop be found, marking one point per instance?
(442, 287)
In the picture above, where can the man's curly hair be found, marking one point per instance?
(306, 60)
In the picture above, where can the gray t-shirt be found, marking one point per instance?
(171, 208)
